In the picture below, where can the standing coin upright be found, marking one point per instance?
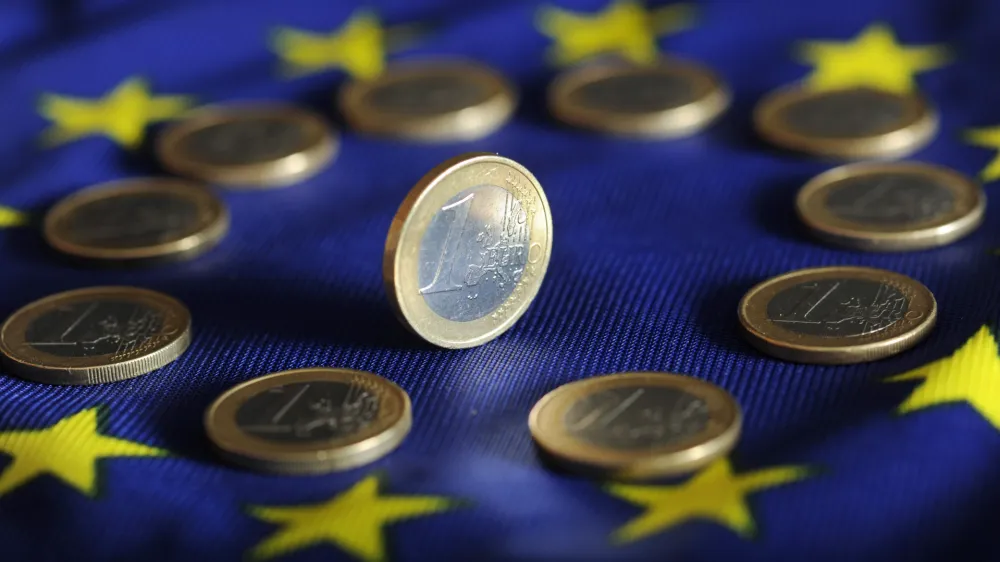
(671, 99)
(309, 421)
(137, 221)
(853, 123)
(248, 145)
(93, 336)
(467, 250)
(837, 315)
(636, 425)
(891, 206)
(431, 102)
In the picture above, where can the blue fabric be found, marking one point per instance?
(654, 244)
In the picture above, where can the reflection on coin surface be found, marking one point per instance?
(892, 206)
(467, 250)
(443, 101)
(636, 425)
(248, 146)
(93, 336)
(137, 221)
(848, 123)
(837, 315)
(668, 100)
(309, 420)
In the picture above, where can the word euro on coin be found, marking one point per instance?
(636, 425)
(248, 146)
(837, 315)
(94, 336)
(854, 123)
(671, 99)
(432, 102)
(467, 250)
(309, 421)
(891, 206)
(137, 221)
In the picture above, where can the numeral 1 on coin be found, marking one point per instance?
(442, 280)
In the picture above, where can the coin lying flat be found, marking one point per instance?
(636, 425)
(248, 145)
(854, 123)
(435, 102)
(668, 100)
(891, 206)
(137, 221)
(309, 421)
(467, 250)
(837, 315)
(94, 336)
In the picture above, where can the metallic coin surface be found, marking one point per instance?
(636, 425)
(671, 99)
(433, 102)
(852, 123)
(248, 145)
(137, 221)
(891, 206)
(467, 250)
(93, 336)
(309, 420)
(837, 315)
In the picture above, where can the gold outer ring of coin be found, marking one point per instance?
(466, 124)
(772, 339)
(34, 365)
(281, 172)
(400, 262)
(920, 128)
(212, 210)
(966, 215)
(712, 100)
(548, 430)
(376, 441)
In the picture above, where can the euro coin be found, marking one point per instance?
(837, 315)
(137, 221)
(671, 99)
(248, 146)
(853, 123)
(467, 250)
(636, 425)
(309, 421)
(891, 206)
(430, 101)
(94, 336)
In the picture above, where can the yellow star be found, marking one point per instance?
(971, 374)
(625, 27)
(353, 520)
(358, 47)
(715, 494)
(68, 450)
(12, 217)
(988, 137)
(873, 59)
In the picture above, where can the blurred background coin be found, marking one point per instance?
(430, 101)
(93, 336)
(467, 250)
(636, 425)
(891, 206)
(309, 421)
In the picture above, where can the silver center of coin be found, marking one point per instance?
(428, 95)
(132, 221)
(91, 328)
(642, 417)
(473, 253)
(841, 308)
(889, 199)
(844, 115)
(246, 141)
(310, 411)
(637, 93)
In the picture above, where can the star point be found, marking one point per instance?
(12, 217)
(358, 47)
(987, 137)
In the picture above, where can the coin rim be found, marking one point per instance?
(965, 217)
(715, 441)
(331, 455)
(803, 348)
